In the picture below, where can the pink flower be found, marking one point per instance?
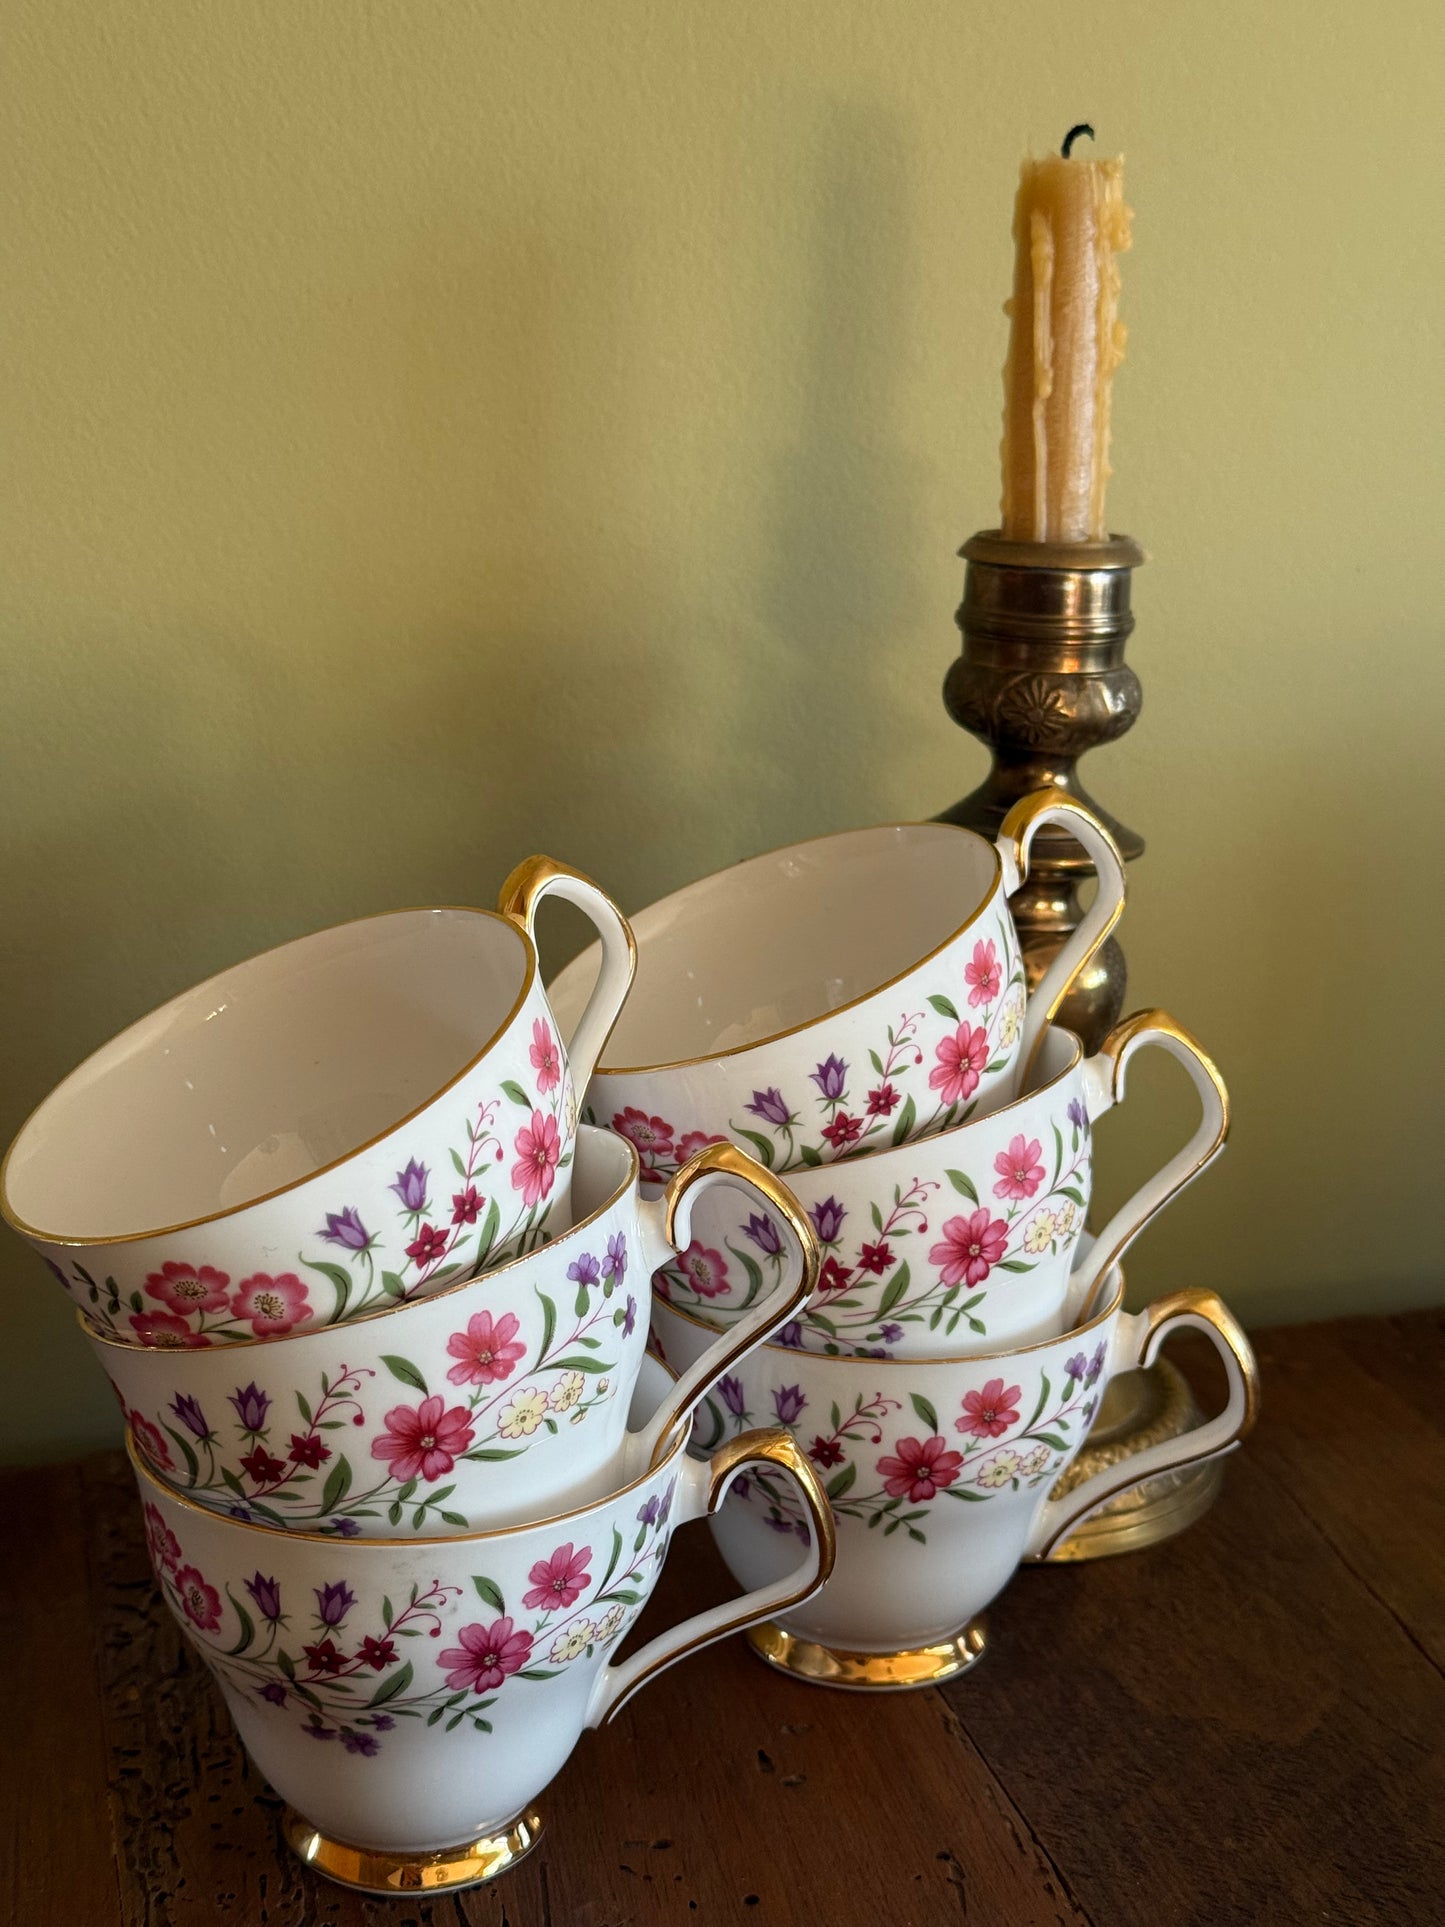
(705, 1270)
(989, 1413)
(1019, 1170)
(695, 1141)
(539, 1149)
(200, 1603)
(560, 1580)
(165, 1330)
(151, 1441)
(970, 1248)
(427, 1246)
(466, 1205)
(486, 1655)
(165, 1547)
(546, 1058)
(843, 1131)
(188, 1288)
(919, 1468)
(273, 1305)
(488, 1349)
(423, 1443)
(961, 1060)
(984, 975)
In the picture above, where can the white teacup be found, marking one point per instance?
(361, 1116)
(837, 995)
(412, 1700)
(498, 1399)
(962, 1242)
(939, 1473)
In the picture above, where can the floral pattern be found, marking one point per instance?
(505, 1172)
(349, 1678)
(291, 1467)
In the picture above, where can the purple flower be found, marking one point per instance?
(1096, 1364)
(828, 1219)
(788, 1403)
(890, 1333)
(274, 1691)
(251, 1405)
(831, 1078)
(360, 1743)
(647, 1514)
(740, 1487)
(778, 1523)
(769, 1106)
(629, 1317)
(1078, 1115)
(383, 1722)
(732, 1395)
(664, 1511)
(334, 1602)
(614, 1266)
(1077, 1365)
(319, 1732)
(190, 1414)
(410, 1186)
(584, 1270)
(267, 1595)
(343, 1528)
(239, 1512)
(346, 1228)
(792, 1334)
(764, 1234)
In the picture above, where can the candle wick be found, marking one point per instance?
(1073, 134)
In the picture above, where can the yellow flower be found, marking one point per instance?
(1013, 1016)
(1000, 1469)
(574, 1641)
(1039, 1234)
(610, 1624)
(566, 1392)
(521, 1418)
(1064, 1220)
(1035, 1461)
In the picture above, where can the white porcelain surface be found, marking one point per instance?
(408, 1696)
(499, 1399)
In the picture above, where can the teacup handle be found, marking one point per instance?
(1104, 1075)
(702, 1487)
(543, 876)
(667, 1230)
(1015, 839)
(1136, 1341)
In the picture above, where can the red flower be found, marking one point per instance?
(309, 1450)
(425, 1443)
(200, 1603)
(989, 1413)
(695, 1141)
(833, 1276)
(325, 1658)
(488, 1349)
(961, 1061)
(259, 1465)
(882, 1101)
(486, 1655)
(273, 1305)
(651, 1135)
(166, 1331)
(377, 1652)
(825, 1452)
(188, 1288)
(843, 1131)
(466, 1205)
(560, 1580)
(1019, 1170)
(165, 1547)
(539, 1150)
(876, 1258)
(970, 1248)
(151, 1441)
(984, 974)
(427, 1246)
(705, 1270)
(546, 1058)
(919, 1468)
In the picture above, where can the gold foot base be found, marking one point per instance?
(372, 1872)
(870, 1672)
(1139, 1409)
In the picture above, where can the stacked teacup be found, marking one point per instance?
(854, 1010)
(375, 1308)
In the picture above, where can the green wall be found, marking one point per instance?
(438, 432)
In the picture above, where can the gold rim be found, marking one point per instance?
(403, 1304)
(281, 1190)
(888, 983)
(371, 1870)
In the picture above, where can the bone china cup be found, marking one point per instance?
(364, 1114)
(939, 1473)
(499, 1399)
(837, 995)
(411, 1700)
(961, 1242)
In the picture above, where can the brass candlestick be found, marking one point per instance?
(1042, 678)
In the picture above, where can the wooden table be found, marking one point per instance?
(1246, 1725)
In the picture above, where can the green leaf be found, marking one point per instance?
(580, 1362)
(944, 1008)
(403, 1369)
(456, 1519)
(810, 1155)
(492, 1454)
(303, 1407)
(392, 1285)
(759, 1143)
(338, 1484)
(1012, 1264)
(841, 1481)
(393, 1512)
(924, 1410)
(389, 1689)
(612, 1562)
(233, 1484)
(189, 1456)
(897, 1285)
(876, 1061)
(1073, 1194)
(963, 1185)
(1051, 1439)
(487, 1236)
(285, 1662)
(517, 1094)
(835, 1416)
(754, 1273)
(905, 1120)
(341, 1280)
(538, 1672)
(1043, 1401)
(459, 1167)
(549, 1324)
(387, 1613)
(248, 1629)
(962, 1492)
(1058, 1153)
(580, 1307)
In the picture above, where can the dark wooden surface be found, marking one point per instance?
(1246, 1725)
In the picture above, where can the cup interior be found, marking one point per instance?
(266, 1074)
(783, 939)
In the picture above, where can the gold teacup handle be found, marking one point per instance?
(703, 1486)
(543, 876)
(671, 1215)
(1104, 1076)
(1136, 1341)
(1015, 840)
